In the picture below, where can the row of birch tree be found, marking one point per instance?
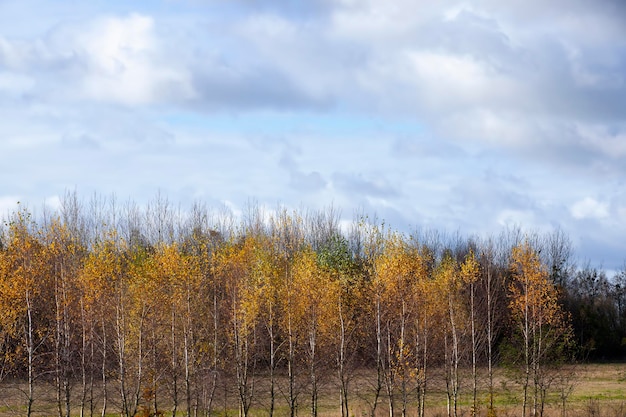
(149, 310)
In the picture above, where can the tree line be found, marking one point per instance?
(146, 310)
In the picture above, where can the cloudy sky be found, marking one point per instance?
(460, 116)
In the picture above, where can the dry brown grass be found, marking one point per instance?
(597, 390)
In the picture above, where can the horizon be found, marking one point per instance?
(106, 208)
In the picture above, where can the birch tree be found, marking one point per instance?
(233, 267)
(314, 301)
(335, 259)
(63, 254)
(540, 321)
(449, 279)
(101, 272)
(398, 269)
(25, 282)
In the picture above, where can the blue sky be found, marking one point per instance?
(460, 116)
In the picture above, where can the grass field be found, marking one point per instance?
(592, 390)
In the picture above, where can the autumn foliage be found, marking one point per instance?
(142, 312)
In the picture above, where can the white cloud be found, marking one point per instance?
(126, 64)
(610, 141)
(115, 59)
(129, 98)
(589, 208)
(447, 81)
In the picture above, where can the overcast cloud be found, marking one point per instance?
(466, 116)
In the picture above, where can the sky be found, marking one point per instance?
(460, 116)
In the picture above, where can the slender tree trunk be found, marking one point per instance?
(379, 359)
(83, 360)
(424, 381)
(188, 344)
(174, 363)
(313, 388)
(105, 393)
(270, 331)
(91, 366)
(418, 368)
(155, 376)
(57, 345)
(121, 357)
(490, 335)
(312, 371)
(343, 382)
(92, 363)
(390, 373)
(187, 373)
(474, 350)
(66, 352)
(291, 372)
(30, 347)
(291, 363)
(139, 378)
(211, 396)
(401, 364)
(536, 349)
(242, 362)
(448, 375)
(527, 355)
(240, 372)
(455, 358)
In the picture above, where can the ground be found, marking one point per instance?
(591, 390)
